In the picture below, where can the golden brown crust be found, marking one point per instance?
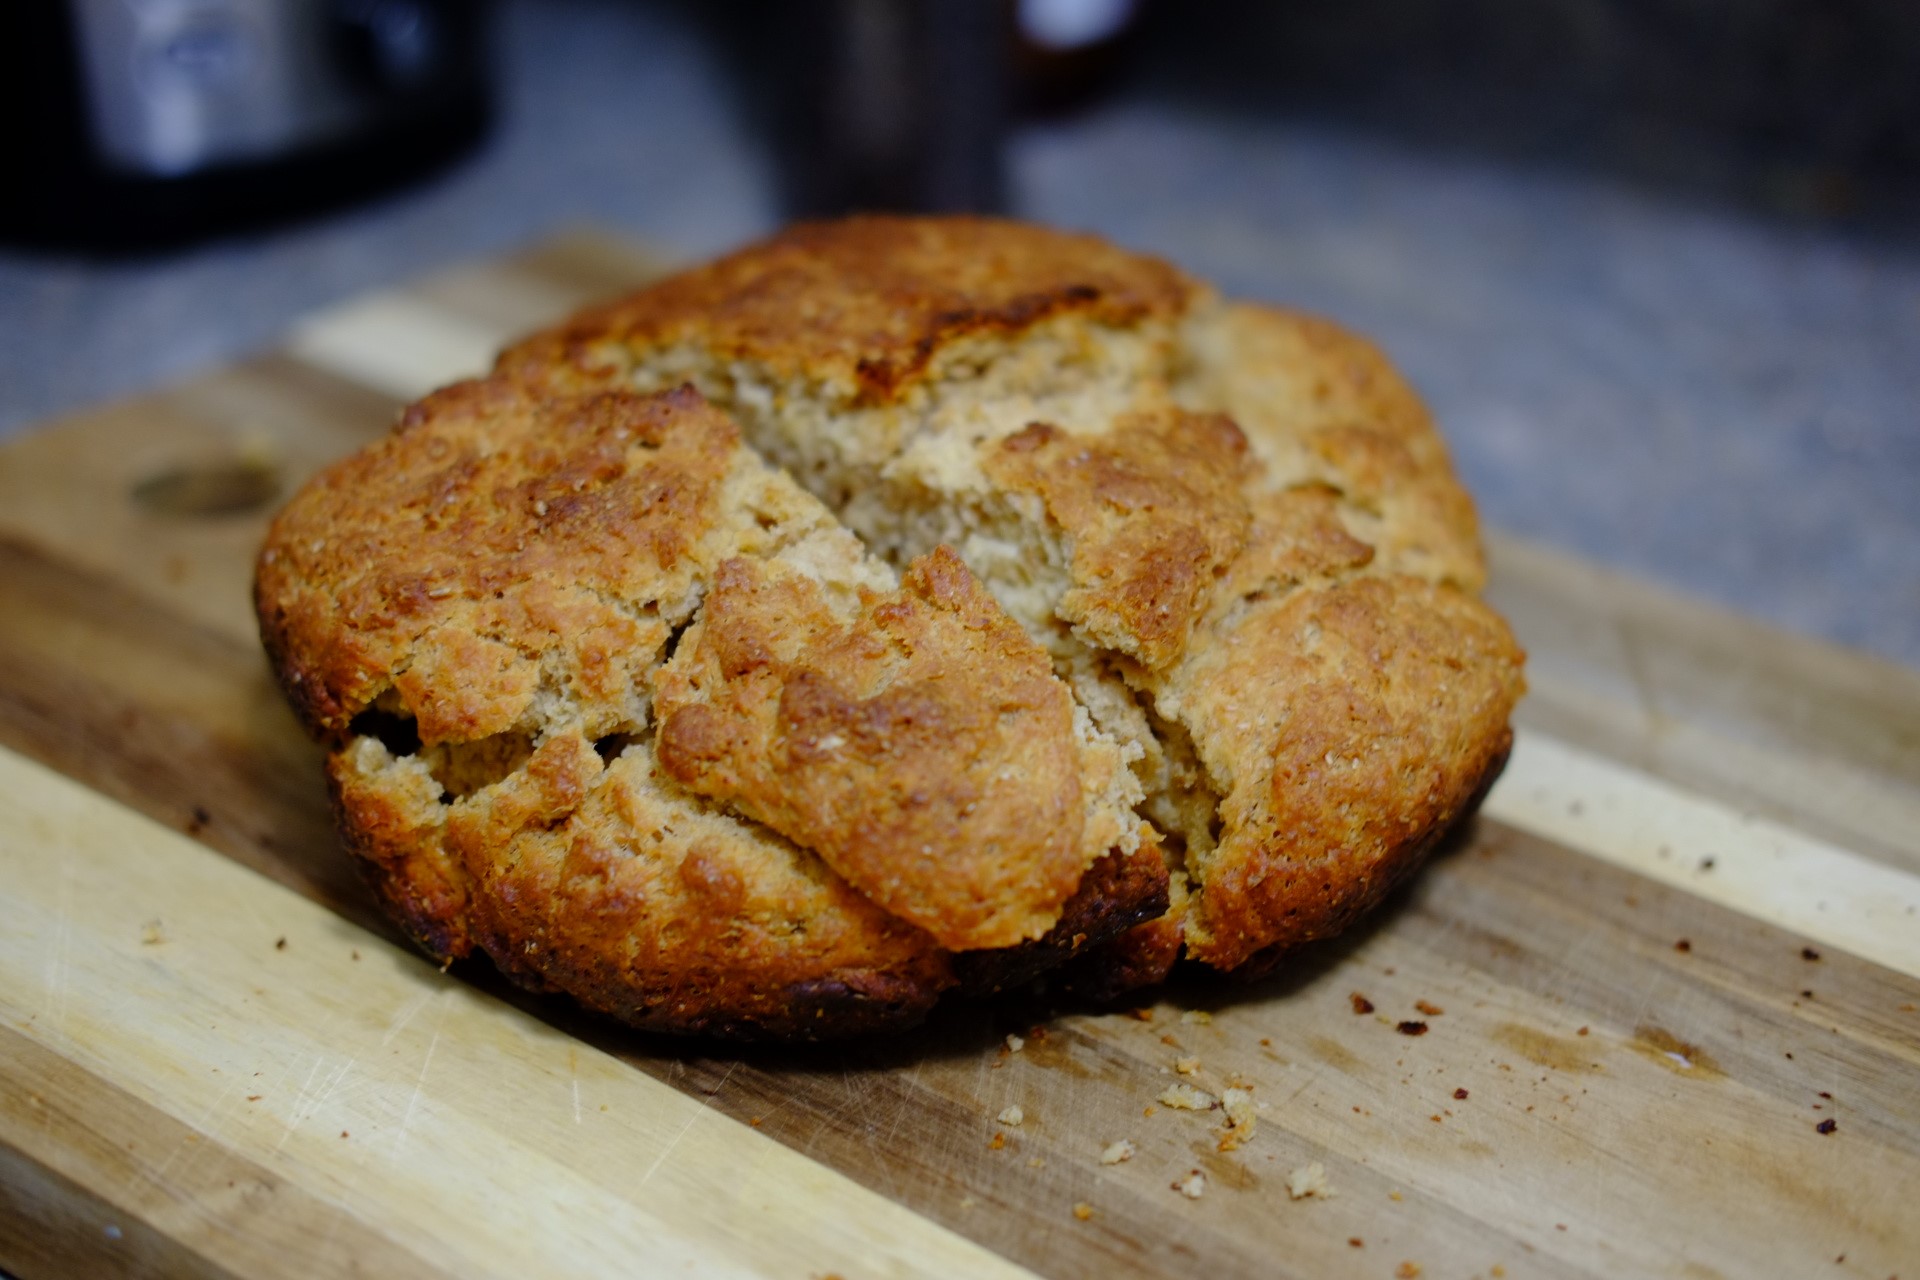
(923, 746)
(602, 881)
(1155, 512)
(1346, 725)
(843, 793)
(499, 540)
(862, 305)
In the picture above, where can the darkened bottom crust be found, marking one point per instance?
(1115, 936)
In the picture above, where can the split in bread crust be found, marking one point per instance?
(895, 604)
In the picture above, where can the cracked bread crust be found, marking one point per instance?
(1058, 612)
(865, 307)
(924, 748)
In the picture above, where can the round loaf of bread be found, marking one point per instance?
(895, 605)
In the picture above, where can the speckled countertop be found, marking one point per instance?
(1713, 399)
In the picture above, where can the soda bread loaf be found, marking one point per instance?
(893, 606)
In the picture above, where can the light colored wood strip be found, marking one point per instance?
(457, 1128)
(1740, 861)
(1812, 735)
(397, 342)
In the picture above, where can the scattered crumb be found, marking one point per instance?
(1142, 1014)
(1194, 1186)
(1239, 1107)
(1683, 945)
(755, 1122)
(1036, 1033)
(280, 944)
(1706, 864)
(354, 954)
(1497, 1271)
(1360, 1003)
(999, 1142)
(1118, 1152)
(1309, 1182)
(255, 1097)
(1826, 1095)
(1412, 1028)
(1582, 1031)
(1147, 1111)
(1168, 1039)
(1265, 1043)
(151, 934)
(1407, 1271)
(1083, 1211)
(1185, 1097)
(1394, 1196)
(1186, 1066)
(343, 1133)
(1196, 1017)
(1431, 1010)
(1012, 1117)
(1356, 1242)
(1015, 1044)
(1808, 953)
(1827, 1126)
(1459, 1095)
(1910, 1007)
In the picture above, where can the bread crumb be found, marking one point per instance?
(1142, 1014)
(1194, 1186)
(1239, 1108)
(1393, 1195)
(151, 934)
(1407, 1271)
(1013, 1117)
(1187, 1098)
(1309, 1182)
(1118, 1152)
(1431, 1010)
(1356, 1242)
(1360, 1003)
(1186, 1066)
(1498, 1272)
(1412, 1028)
(1083, 1211)
(998, 1143)
(1196, 1017)
(1015, 1044)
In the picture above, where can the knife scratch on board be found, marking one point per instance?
(406, 1117)
(698, 1111)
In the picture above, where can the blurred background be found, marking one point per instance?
(1654, 263)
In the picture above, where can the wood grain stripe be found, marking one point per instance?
(456, 1127)
(1740, 861)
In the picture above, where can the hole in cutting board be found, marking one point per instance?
(222, 487)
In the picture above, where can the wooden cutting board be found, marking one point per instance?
(1682, 942)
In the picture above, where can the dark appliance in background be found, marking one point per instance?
(138, 123)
